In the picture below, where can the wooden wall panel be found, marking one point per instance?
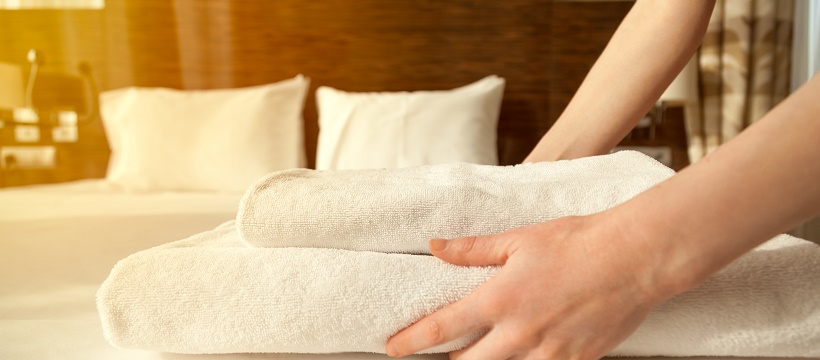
(542, 48)
(366, 45)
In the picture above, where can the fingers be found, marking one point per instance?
(474, 250)
(463, 317)
(447, 324)
(494, 345)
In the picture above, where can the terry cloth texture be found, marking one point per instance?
(400, 210)
(213, 294)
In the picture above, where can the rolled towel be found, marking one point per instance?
(213, 294)
(399, 210)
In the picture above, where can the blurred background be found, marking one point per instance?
(56, 56)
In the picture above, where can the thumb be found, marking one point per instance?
(473, 250)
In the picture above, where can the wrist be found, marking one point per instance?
(661, 268)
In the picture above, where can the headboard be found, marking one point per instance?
(542, 48)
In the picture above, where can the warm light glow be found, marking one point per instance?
(11, 86)
(51, 4)
(685, 87)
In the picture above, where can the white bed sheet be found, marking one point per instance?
(59, 242)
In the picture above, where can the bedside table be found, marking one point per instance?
(56, 134)
(667, 142)
(46, 152)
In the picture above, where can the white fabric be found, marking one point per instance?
(399, 129)
(219, 140)
(399, 210)
(99, 198)
(212, 294)
(53, 262)
(59, 242)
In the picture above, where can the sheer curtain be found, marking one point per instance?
(744, 65)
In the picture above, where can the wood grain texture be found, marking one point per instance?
(542, 48)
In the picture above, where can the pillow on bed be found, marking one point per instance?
(400, 129)
(216, 140)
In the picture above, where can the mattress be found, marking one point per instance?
(59, 243)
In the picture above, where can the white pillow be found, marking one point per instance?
(219, 140)
(400, 129)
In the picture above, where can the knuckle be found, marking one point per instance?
(467, 244)
(517, 341)
(433, 332)
(495, 306)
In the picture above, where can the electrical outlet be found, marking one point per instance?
(28, 157)
(27, 133)
(64, 133)
(26, 115)
(67, 118)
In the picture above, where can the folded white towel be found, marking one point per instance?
(213, 294)
(399, 210)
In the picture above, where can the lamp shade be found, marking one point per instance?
(11, 86)
(685, 87)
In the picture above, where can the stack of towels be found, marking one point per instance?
(336, 261)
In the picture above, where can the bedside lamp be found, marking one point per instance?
(684, 91)
(35, 59)
(11, 86)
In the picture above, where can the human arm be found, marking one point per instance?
(651, 46)
(576, 287)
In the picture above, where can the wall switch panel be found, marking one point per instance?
(64, 133)
(27, 133)
(26, 115)
(28, 157)
(67, 118)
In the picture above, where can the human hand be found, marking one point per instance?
(565, 291)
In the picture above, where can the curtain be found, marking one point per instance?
(744, 64)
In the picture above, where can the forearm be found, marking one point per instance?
(577, 286)
(648, 50)
(762, 183)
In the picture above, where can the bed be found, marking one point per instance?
(49, 279)
(60, 242)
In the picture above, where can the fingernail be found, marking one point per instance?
(392, 351)
(438, 244)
